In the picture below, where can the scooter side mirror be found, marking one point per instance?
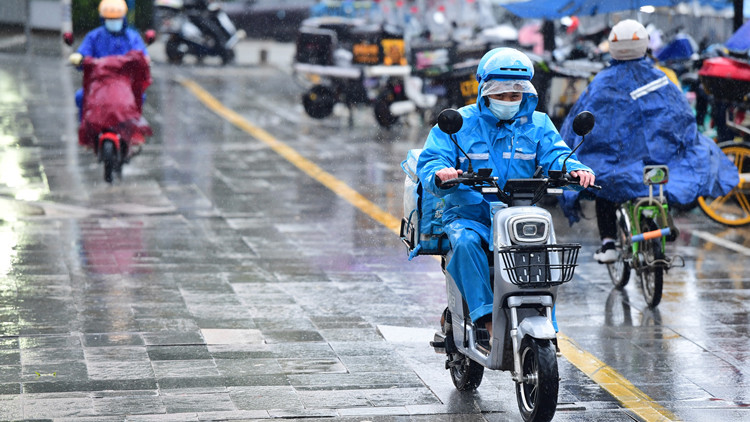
(450, 121)
(68, 38)
(583, 123)
(149, 36)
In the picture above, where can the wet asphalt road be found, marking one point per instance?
(217, 281)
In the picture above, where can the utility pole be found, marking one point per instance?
(27, 27)
(66, 25)
(739, 7)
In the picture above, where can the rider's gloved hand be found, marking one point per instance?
(75, 59)
(585, 179)
(445, 174)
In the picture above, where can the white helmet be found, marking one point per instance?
(628, 40)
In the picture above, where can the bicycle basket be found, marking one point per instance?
(539, 266)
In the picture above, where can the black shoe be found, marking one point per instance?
(606, 254)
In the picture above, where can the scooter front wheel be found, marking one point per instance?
(537, 392)
(109, 158)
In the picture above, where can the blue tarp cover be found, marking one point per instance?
(552, 9)
(642, 119)
(740, 41)
(677, 49)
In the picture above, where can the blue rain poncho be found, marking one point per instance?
(643, 119)
(511, 150)
(101, 43)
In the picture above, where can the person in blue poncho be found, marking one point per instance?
(112, 38)
(500, 131)
(642, 119)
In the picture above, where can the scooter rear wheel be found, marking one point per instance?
(174, 51)
(319, 101)
(465, 373)
(382, 108)
(537, 393)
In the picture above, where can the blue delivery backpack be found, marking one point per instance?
(422, 225)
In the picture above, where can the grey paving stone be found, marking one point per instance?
(54, 407)
(11, 407)
(172, 337)
(112, 339)
(196, 368)
(178, 352)
(128, 403)
(124, 370)
(248, 367)
(292, 336)
(271, 398)
(354, 381)
(198, 402)
(311, 366)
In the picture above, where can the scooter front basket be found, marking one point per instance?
(539, 266)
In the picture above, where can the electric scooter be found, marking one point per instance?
(196, 27)
(111, 116)
(527, 265)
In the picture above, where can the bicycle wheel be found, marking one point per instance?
(619, 271)
(732, 209)
(652, 277)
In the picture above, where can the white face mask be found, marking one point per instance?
(113, 25)
(504, 110)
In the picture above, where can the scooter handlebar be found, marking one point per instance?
(572, 180)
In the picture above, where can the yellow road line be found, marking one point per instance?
(613, 382)
(608, 378)
(307, 166)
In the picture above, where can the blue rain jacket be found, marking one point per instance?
(642, 119)
(512, 150)
(101, 43)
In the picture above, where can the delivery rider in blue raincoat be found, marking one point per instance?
(500, 131)
(642, 119)
(112, 38)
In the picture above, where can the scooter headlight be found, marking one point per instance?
(525, 229)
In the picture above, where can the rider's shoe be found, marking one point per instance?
(606, 254)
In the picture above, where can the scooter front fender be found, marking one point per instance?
(536, 327)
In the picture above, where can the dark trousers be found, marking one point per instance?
(606, 218)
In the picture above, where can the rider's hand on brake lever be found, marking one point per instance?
(585, 178)
(447, 173)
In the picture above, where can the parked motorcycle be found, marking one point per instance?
(196, 27)
(526, 265)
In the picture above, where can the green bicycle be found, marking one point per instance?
(643, 227)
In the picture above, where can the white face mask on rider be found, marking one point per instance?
(113, 25)
(504, 110)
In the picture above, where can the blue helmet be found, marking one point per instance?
(505, 63)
